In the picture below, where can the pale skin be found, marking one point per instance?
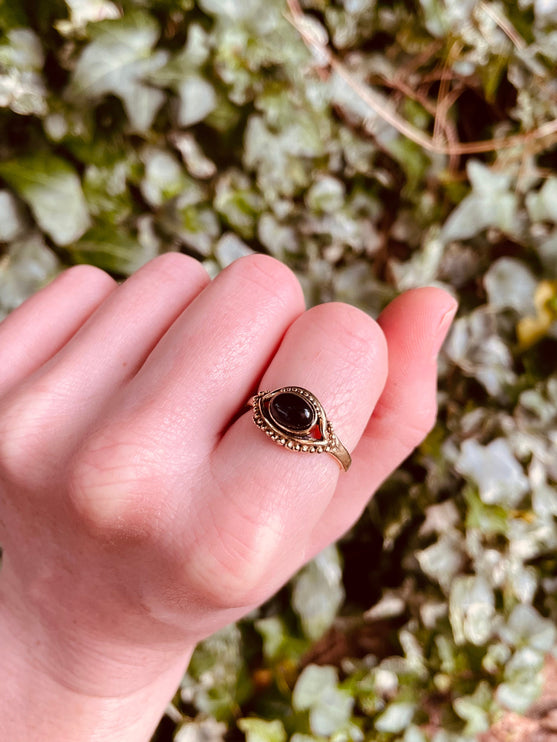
(140, 508)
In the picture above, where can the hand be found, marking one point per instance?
(141, 509)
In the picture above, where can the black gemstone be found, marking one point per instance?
(292, 412)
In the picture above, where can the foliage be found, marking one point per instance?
(341, 137)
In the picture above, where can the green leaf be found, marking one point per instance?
(491, 204)
(238, 202)
(12, 220)
(327, 195)
(495, 470)
(111, 248)
(22, 87)
(316, 690)
(486, 518)
(313, 680)
(215, 682)
(165, 178)
(28, 265)
(332, 714)
(259, 730)
(229, 248)
(197, 100)
(318, 593)
(278, 643)
(471, 610)
(526, 628)
(117, 61)
(510, 283)
(475, 708)
(12, 15)
(523, 681)
(396, 717)
(53, 191)
(542, 205)
(83, 12)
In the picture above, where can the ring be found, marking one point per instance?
(294, 418)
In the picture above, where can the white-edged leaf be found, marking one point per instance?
(52, 189)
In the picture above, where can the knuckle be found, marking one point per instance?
(89, 274)
(114, 490)
(357, 333)
(22, 435)
(268, 275)
(234, 549)
(172, 267)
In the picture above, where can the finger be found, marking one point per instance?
(213, 356)
(117, 338)
(415, 325)
(170, 417)
(67, 395)
(275, 496)
(43, 324)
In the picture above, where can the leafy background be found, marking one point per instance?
(373, 147)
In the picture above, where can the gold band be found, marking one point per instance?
(294, 418)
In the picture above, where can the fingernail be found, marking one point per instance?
(444, 325)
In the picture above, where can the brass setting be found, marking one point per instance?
(314, 434)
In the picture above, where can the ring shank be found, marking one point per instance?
(343, 458)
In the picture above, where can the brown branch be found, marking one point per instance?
(403, 126)
(504, 24)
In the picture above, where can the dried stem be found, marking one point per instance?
(505, 25)
(404, 127)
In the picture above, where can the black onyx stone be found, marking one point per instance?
(292, 412)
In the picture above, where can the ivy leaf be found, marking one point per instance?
(22, 86)
(52, 189)
(201, 730)
(396, 717)
(318, 592)
(259, 730)
(117, 61)
(444, 559)
(197, 100)
(526, 628)
(542, 206)
(523, 680)
(112, 249)
(83, 12)
(27, 267)
(215, 679)
(471, 610)
(474, 709)
(509, 283)
(229, 248)
(12, 221)
(165, 178)
(490, 204)
(495, 470)
(317, 691)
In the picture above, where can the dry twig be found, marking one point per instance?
(431, 144)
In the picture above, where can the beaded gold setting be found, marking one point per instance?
(294, 418)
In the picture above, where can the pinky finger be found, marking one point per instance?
(43, 324)
(415, 325)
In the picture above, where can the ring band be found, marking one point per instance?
(294, 418)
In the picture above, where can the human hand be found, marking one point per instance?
(141, 511)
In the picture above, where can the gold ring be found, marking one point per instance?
(294, 418)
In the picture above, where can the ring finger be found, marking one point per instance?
(339, 354)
